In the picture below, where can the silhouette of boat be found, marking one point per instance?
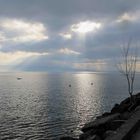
(19, 78)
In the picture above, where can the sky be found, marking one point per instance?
(66, 35)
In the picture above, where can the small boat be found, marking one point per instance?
(19, 78)
(69, 85)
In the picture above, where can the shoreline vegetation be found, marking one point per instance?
(121, 123)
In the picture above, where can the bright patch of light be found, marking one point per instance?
(126, 17)
(29, 37)
(85, 27)
(66, 35)
(22, 31)
(68, 51)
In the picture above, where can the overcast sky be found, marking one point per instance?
(65, 35)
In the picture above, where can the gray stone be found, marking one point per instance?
(137, 108)
(128, 128)
(108, 133)
(125, 115)
(115, 124)
(99, 122)
(87, 134)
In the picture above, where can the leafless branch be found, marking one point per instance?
(128, 63)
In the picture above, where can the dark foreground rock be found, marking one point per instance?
(68, 138)
(126, 131)
(98, 123)
(118, 124)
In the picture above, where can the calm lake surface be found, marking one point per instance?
(43, 106)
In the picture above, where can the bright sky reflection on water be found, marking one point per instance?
(43, 105)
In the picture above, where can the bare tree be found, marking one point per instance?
(127, 66)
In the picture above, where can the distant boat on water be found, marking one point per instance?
(19, 78)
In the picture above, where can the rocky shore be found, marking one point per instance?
(121, 123)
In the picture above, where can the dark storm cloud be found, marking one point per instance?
(60, 13)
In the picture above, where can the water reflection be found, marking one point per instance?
(44, 106)
(87, 96)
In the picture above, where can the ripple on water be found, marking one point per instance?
(42, 106)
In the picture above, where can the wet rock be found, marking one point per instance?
(115, 124)
(120, 108)
(128, 128)
(137, 108)
(115, 108)
(87, 134)
(100, 122)
(103, 115)
(135, 104)
(138, 95)
(106, 114)
(126, 115)
(126, 101)
(108, 133)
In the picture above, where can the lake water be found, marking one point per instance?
(44, 106)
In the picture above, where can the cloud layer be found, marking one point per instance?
(69, 35)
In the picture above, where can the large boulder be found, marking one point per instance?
(126, 115)
(127, 129)
(108, 134)
(124, 106)
(87, 134)
(103, 115)
(135, 104)
(138, 95)
(137, 108)
(115, 124)
(99, 123)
